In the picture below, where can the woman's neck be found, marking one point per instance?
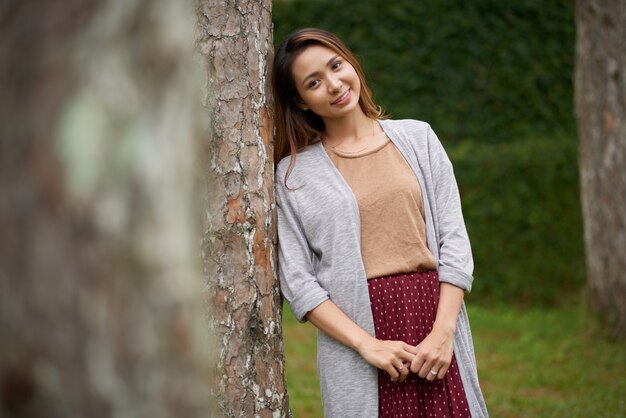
(349, 130)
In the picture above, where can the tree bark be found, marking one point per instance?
(600, 81)
(101, 305)
(240, 256)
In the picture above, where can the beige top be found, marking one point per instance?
(393, 232)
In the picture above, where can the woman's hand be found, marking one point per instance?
(394, 357)
(434, 354)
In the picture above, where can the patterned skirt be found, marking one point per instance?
(404, 306)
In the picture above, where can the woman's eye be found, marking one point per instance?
(313, 83)
(336, 65)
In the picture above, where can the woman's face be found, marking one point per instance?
(327, 84)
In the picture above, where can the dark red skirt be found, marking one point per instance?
(404, 307)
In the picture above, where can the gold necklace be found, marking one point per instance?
(350, 152)
(323, 137)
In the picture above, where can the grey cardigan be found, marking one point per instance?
(319, 256)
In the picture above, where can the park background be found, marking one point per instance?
(137, 214)
(495, 81)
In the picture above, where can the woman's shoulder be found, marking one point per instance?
(412, 133)
(304, 160)
(406, 125)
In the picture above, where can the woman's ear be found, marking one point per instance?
(300, 103)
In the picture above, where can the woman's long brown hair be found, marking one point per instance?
(294, 126)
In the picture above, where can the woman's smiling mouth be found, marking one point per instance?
(343, 99)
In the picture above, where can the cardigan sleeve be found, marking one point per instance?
(298, 282)
(456, 264)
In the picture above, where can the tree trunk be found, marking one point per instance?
(101, 305)
(240, 255)
(600, 81)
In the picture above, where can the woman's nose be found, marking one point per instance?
(334, 84)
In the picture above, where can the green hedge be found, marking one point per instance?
(488, 70)
(494, 79)
(522, 209)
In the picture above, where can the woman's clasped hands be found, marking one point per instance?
(434, 355)
(430, 359)
(390, 356)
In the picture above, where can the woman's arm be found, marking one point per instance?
(455, 261)
(455, 265)
(390, 356)
(435, 351)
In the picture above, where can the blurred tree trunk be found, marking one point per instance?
(601, 113)
(101, 305)
(240, 256)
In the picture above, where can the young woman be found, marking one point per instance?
(373, 248)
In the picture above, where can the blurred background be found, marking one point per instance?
(495, 81)
(123, 189)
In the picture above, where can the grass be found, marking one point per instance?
(532, 363)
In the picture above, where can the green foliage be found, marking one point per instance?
(522, 209)
(486, 70)
(547, 363)
(494, 79)
(301, 368)
(531, 363)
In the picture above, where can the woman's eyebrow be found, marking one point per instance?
(313, 74)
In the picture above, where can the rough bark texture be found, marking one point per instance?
(601, 113)
(236, 39)
(101, 305)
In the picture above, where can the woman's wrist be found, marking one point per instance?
(447, 327)
(333, 322)
(450, 302)
(361, 342)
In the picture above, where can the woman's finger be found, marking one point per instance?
(410, 348)
(442, 371)
(406, 356)
(427, 367)
(392, 371)
(404, 372)
(416, 363)
(434, 371)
